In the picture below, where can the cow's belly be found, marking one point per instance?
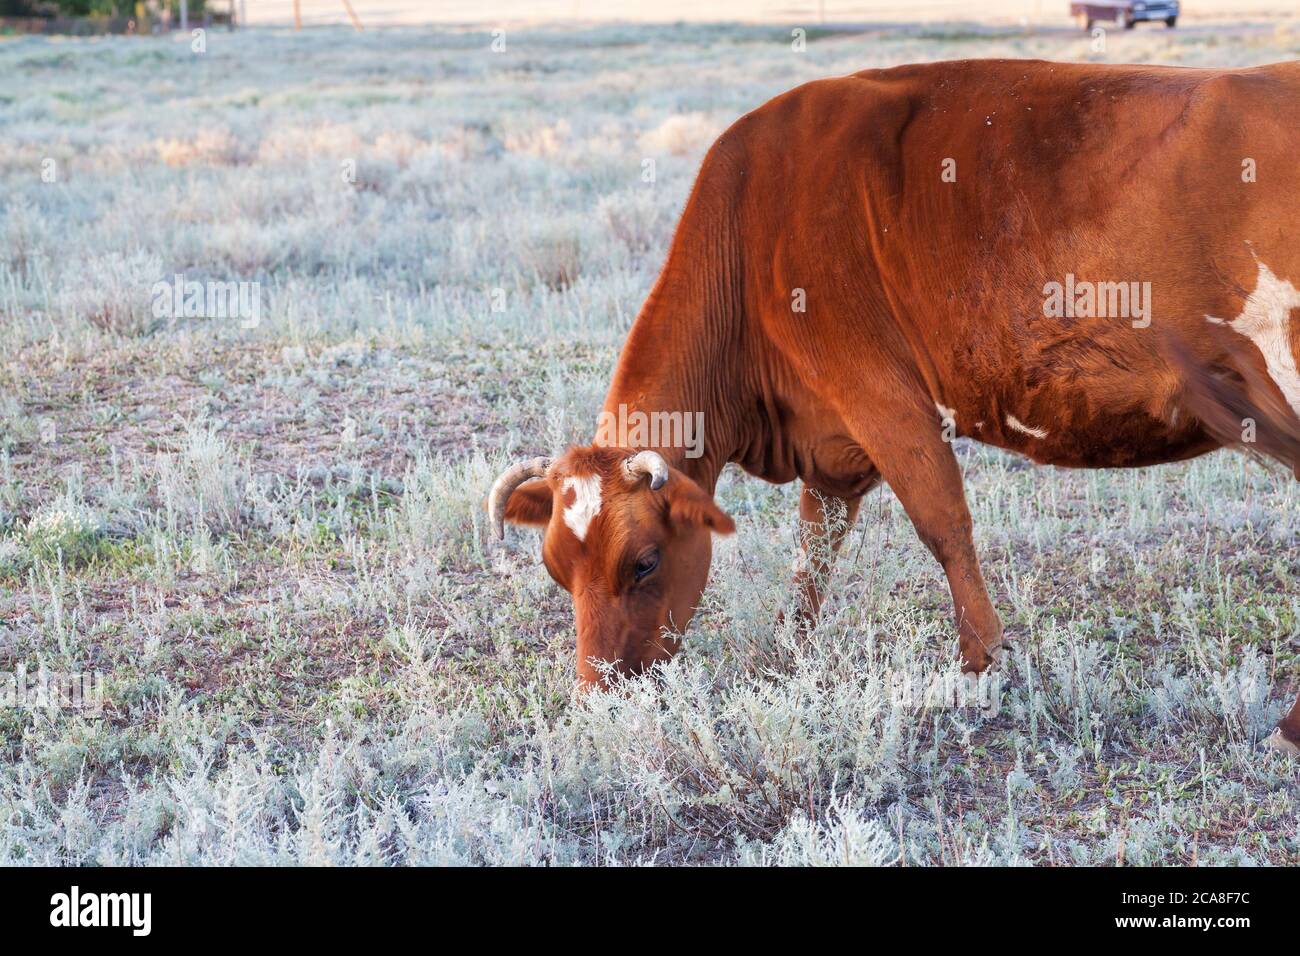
(1105, 440)
(1103, 452)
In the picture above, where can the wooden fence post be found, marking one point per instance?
(351, 13)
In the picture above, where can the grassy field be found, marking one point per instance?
(270, 540)
(380, 13)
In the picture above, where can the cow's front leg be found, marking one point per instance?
(824, 520)
(908, 446)
(1287, 736)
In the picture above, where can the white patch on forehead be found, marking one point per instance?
(1017, 425)
(586, 503)
(1266, 320)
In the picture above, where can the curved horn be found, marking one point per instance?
(647, 463)
(504, 486)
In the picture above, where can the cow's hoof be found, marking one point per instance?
(1275, 741)
(978, 659)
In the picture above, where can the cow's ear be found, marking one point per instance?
(530, 503)
(689, 506)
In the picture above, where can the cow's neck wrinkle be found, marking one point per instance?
(757, 411)
(690, 349)
(684, 360)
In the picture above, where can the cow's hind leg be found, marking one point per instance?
(1287, 736)
(908, 447)
(824, 520)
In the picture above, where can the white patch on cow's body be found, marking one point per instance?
(1017, 425)
(946, 413)
(586, 503)
(1266, 320)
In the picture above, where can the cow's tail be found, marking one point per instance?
(1240, 406)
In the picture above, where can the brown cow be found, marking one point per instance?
(1093, 266)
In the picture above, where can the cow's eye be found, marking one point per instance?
(646, 564)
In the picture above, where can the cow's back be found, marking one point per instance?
(921, 213)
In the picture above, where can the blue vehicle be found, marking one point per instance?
(1124, 13)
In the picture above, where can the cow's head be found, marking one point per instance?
(627, 536)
